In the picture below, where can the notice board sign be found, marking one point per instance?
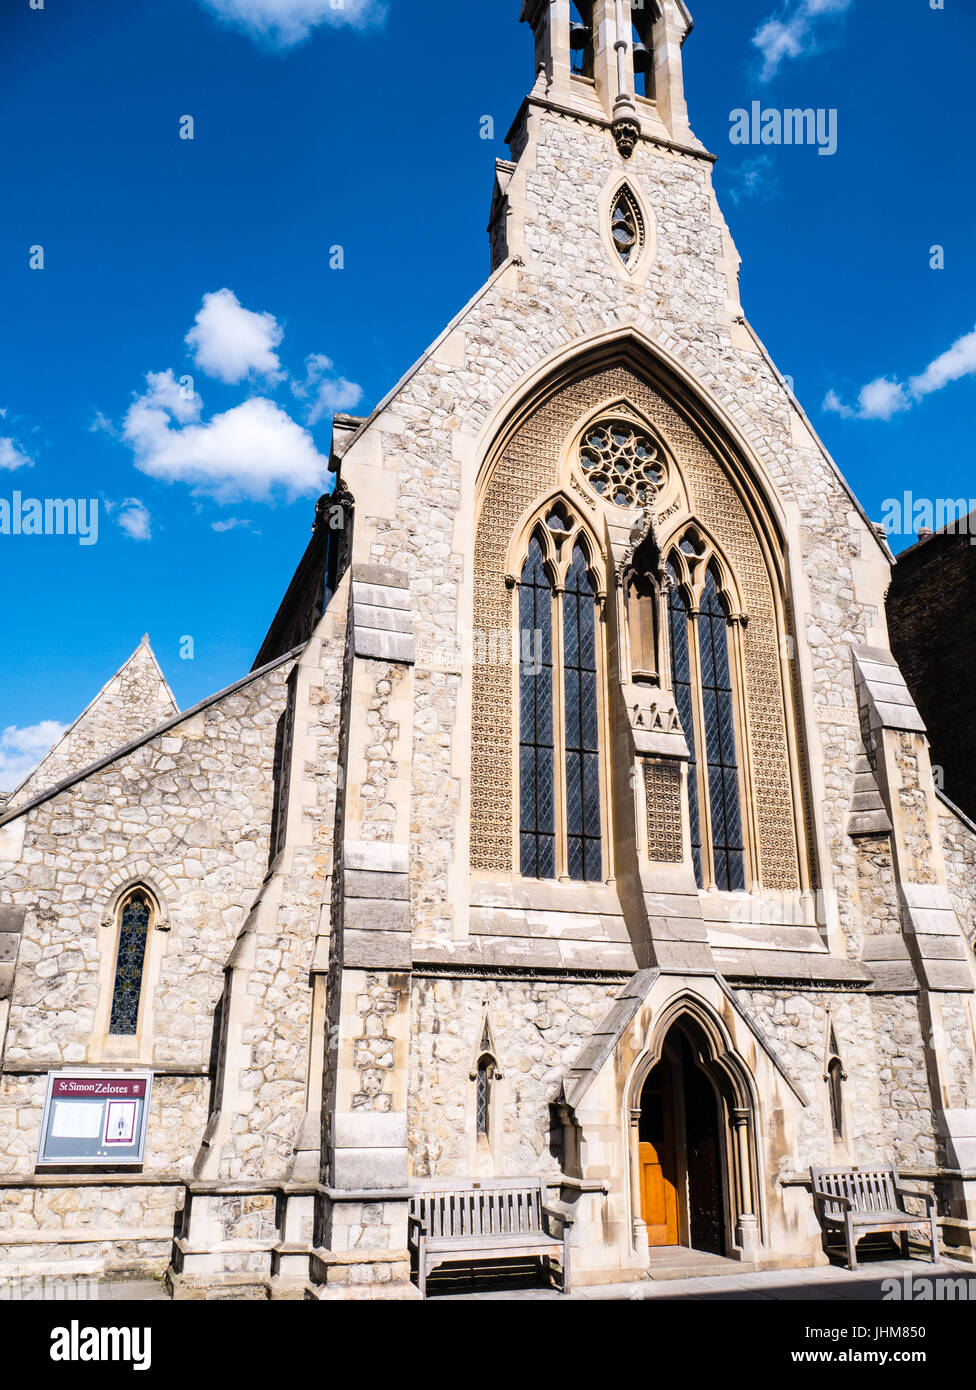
(95, 1117)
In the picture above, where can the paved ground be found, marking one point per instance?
(834, 1285)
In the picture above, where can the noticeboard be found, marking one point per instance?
(95, 1117)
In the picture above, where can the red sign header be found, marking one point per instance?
(98, 1087)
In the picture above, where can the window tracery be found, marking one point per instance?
(622, 463)
(626, 226)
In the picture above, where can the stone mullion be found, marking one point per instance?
(747, 803)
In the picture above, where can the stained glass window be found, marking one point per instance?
(835, 1082)
(133, 931)
(682, 680)
(537, 798)
(626, 226)
(584, 853)
(719, 720)
(622, 463)
(485, 1070)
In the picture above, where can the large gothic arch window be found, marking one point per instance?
(560, 793)
(704, 691)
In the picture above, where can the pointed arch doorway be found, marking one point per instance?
(682, 1154)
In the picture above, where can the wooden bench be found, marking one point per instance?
(869, 1199)
(485, 1221)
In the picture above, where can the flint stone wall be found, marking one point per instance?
(539, 1028)
(134, 701)
(880, 1041)
(513, 325)
(195, 804)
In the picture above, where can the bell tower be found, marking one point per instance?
(615, 61)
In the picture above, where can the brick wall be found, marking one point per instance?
(932, 618)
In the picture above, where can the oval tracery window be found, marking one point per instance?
(622, 464)
(626, 226)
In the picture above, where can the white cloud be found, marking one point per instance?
(283, 23)
(12, 455)
(329, 394)
(101, 424)
(246, 452)
(885, 397)
(878, 400)
(233, 523)
(752, 179)
(793, 33)
(959, 361)
(230, 342)
(135, 519)
(22, 749)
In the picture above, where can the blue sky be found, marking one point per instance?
(360, 127)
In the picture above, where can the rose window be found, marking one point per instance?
(622, 464)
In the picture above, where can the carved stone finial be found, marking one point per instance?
(643, 530)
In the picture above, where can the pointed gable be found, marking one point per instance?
(136, 699)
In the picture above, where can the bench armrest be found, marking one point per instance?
(925, 1197)
(845, 1202)
(415, 1221)
(560, 1212)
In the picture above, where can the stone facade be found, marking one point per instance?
(350, 992)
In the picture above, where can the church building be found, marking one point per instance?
(575, 826)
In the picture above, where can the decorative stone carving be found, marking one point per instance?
(662, 790)
(622, 463)
(654, 721)
(626, 132)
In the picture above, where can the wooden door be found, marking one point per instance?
(657, 1155)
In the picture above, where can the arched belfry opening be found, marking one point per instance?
(693, 1147)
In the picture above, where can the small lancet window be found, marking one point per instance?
(486, 1075)
(626, 227)
(127, 991)
(835, 1076)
